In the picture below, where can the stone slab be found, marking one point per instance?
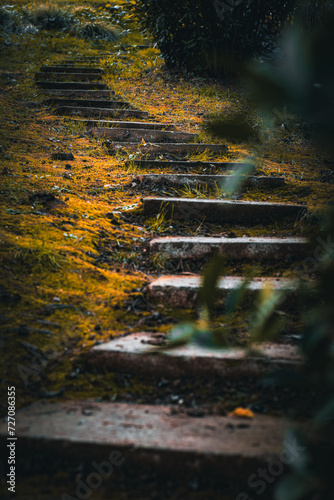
(125, 354)
(198, 247)
(222, 211)
(80, 94)
(64, 435)
(82, 60)
(80, 77)
(180, 149)
(210, 181)
(70, 69)
(182, 291)
(223, 165)
(137, 135)
(127, 124)
(72, 85)
(101, 112)
(87, 103)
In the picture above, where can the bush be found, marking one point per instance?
(98, 30)
(51, 17)
(313, 12)
(215, 35)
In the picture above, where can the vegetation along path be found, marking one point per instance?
(114, 199)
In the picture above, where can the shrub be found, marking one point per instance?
(98, 30)
(214, 35)
(50, 16)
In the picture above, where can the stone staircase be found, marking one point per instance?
(153, 449)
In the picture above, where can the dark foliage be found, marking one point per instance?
(212, 35)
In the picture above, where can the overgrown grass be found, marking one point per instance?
(98, 30)
(74, 250)
(51, 16)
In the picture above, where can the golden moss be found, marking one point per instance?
(54, 221)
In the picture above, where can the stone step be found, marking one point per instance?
(70, 69)
(80, 94)
(81, 77)
(175, 149)
(182, 291)
(127, 124)
(222, 211)
(82, 60)
(131, 439)
(125, 354)
(210, 181)
(137, 135)
(198, 247)
(87, 103)
(176, 164)
(72, 85)
(101, 112)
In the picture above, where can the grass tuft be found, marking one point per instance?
(98, 30)
(51, 16)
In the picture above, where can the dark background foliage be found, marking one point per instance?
(212, 35)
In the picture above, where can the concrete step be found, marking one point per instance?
(209, 181)
(137, 135)
(98, 56)
(182, 291)
(87, 103)
(72, 85)
(101, 112)
(81, 77)
(222, 211)
(96, 437)
(125, 354)
(180, 149)
(70, 69)
(176, 164)
(198, 247)
(80, 94)
(127, 124)
(82, 60)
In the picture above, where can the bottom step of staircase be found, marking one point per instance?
(98, 442)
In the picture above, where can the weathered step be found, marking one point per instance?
(222, 211)
(82, 60)
(72, 85)
(90, 58)
(192, 360)
(78, 435)
(182, 291)
(127, 124)
(86, 103)
(210, 181)
(70, 69)
(81, 77)
(180, 149)
(137, 135)
(176, 164)
(80, 94)
(197, 247)
(101, 112)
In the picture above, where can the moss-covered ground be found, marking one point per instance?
(71, 270)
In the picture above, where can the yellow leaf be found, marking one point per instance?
(242, 413)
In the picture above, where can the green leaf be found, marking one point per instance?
(236, 296)
(235, 181)
(208, 292)
(265, 320)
